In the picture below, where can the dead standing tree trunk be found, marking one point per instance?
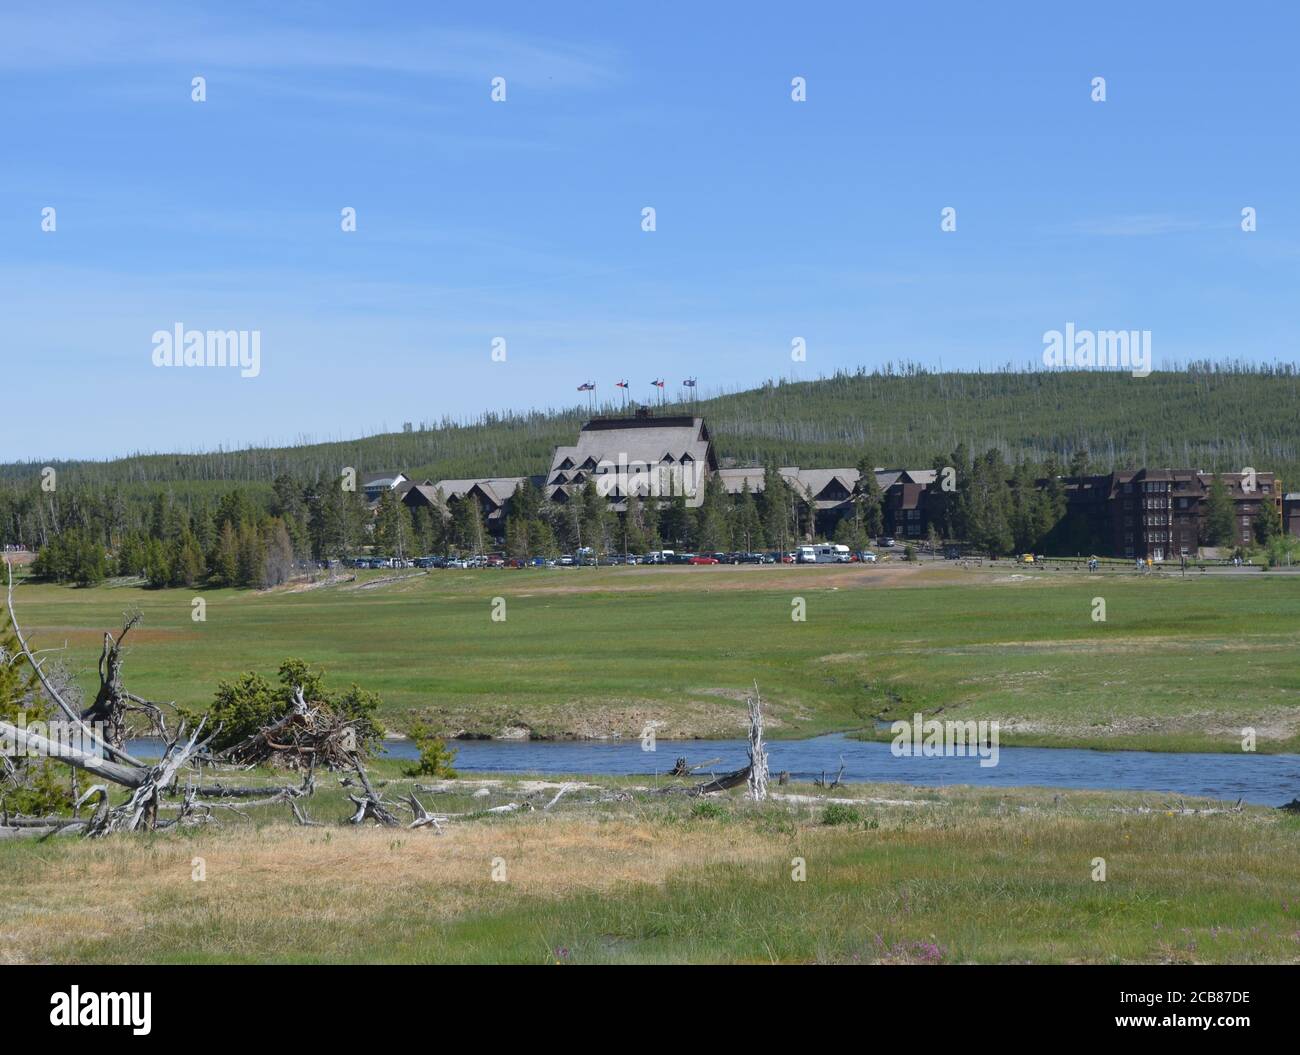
(109, 709)
(757, 752)
(112, 701)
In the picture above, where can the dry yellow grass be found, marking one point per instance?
(114, 890)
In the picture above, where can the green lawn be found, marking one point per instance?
(1178, 664)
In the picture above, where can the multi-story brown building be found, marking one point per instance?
(1291, 513)
(1161, 513)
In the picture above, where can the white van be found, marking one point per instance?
(824, 553)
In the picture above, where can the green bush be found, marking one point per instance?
(436, 757)
(837, 813)
(709, 811)
(243, 706)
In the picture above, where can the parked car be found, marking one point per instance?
(704, 558)
(887, 543)
(867, 557)
(952, 553)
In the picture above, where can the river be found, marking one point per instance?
(1266, 780)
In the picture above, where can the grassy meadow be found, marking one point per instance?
(617, 875)
(1177, 663)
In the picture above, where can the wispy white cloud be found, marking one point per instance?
(47, 38)
(1138, 225)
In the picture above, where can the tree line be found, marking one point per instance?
(237, 540)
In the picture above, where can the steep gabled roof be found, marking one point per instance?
(628, 444)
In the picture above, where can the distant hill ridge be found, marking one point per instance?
(1207, 416)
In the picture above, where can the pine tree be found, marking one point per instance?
(1219, 525)
(188, 567)
(868, 503)
(1268, 522)
(225, 559)
(713, 529)
(747, 527)
(775, 507)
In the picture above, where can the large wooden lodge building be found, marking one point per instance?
(1148, 513)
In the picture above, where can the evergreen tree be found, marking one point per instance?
(988, 505)
(747, 526)
(188, 567)
(1268, 522)
(1219, 525)
(868, 504)
(225, 559)
(393, 529)
(775, 509)
(597, 521)
(713, 531)
(542, 539)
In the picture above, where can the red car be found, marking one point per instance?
(703, 560)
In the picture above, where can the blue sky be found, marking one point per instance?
(522, 219)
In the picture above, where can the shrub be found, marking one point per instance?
(245, 705)
(709, 811)
(436, 757)
(838, 813)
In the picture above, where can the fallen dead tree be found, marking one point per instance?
(754, 775)
(371, 805)
(80, 725)
(682, 768)
(821, 781)
(146, 784)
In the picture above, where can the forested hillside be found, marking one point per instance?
(1208, 416)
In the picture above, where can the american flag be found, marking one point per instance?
(658, 384)
(620, 384)
(587, 387)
